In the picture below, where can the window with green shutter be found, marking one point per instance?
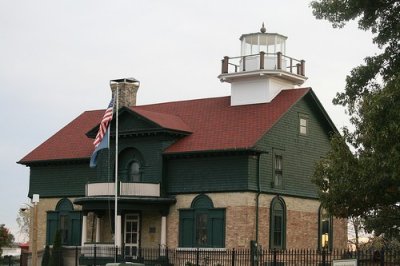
(66, 220)
(202, 225)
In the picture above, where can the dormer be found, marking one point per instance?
(262, 70)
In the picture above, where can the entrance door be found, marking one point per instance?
(131, 236)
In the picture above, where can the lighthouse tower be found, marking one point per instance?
(262, 70)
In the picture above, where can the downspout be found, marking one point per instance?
(258, 191)
(258, 195)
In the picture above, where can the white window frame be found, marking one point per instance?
(304, 125)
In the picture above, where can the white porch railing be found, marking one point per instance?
(105, 250)
(140, 189)
(100, 189)
(126, 189)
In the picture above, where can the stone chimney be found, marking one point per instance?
(127, 90)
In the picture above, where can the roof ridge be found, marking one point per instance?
(181, 101)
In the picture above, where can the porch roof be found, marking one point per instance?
(124, 203)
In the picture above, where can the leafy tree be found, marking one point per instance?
(363, 180)
(356, 227)
(6, 238)
(24, 222)
(378, 243)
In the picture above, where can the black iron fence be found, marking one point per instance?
(9, 260)
(227, 257)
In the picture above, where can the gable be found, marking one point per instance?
(139, 122)
(132, 122)
(299, 152)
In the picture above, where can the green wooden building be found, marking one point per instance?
(213, 173)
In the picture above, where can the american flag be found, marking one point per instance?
(108, 115)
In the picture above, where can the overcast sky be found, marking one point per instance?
(57, 58)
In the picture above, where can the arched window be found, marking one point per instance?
(134, 171)
(202, 225)
(325, 230)
(277, 224)
(130, 165)
(66, 221)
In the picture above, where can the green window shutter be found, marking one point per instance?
(75, 228)
(217, 228)
(52, 226)
(186, 228)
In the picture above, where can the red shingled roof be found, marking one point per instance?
(164, 120)
(215, 125)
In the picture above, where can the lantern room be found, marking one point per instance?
(262, 70)
(269, 43)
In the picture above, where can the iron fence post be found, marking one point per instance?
(323, 257)
(76, 256)
(382, 257)
(94, 254)
(197, 256)
(274, 257)
(233, 257)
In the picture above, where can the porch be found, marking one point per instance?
(141, 220)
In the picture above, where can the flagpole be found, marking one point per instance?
(116, 237)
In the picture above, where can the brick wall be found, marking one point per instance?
(301, 224)
(151, 229)
(302, 221)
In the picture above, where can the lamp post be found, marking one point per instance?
(34, 229)
(35, 201)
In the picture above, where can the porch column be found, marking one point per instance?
(84, 229)
(163, 241)
(97, 229)
(118, 232)
(163, 238)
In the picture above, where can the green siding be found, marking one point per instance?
(60, 180)
(300, 153)
(205, 174)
